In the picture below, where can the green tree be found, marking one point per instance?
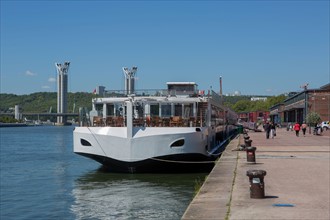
(274, 100)
(242, 106)
(244, 103)
(259, 106)
(313, 118)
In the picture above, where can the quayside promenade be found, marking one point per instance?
(296, 184)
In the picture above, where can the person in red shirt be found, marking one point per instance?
(296, 127)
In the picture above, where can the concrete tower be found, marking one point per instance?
(129, 79)
(62, 90)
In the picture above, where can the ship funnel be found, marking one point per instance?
(129, 79)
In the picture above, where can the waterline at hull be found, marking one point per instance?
(184, 163)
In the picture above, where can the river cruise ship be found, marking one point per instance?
(179, 129)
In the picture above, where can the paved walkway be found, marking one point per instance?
(298, 174)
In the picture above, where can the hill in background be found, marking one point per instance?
(47, 102)
(44, 102)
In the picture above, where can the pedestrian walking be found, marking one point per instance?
(267, 129)
(289, 127)
(272, 130)
(296, 127)
(303, 128)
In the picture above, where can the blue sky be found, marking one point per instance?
(258, 47)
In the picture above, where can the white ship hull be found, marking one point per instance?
(151, 149)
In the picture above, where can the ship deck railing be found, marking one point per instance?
(149, 92)
(153, 121)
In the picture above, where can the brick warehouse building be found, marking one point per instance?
(296, 107)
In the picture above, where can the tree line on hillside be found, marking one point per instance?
(47, 102)
(244, 103)
(44, 102)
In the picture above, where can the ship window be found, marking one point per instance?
(166, 110)
(154, 109)
(178, 110)
(84, 142)
(110, 110)
(178, 143)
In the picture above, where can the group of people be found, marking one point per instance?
(270, 129)
(297, 127)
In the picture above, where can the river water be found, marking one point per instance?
(41, 178)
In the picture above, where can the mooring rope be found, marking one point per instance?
(212, 154)
(178, 161)
(96, 140)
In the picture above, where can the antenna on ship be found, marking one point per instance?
(129, 79)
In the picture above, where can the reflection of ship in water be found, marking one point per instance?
(100, 195)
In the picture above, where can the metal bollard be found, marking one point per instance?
(257, 185)
(248, 143)
(250, 154)
(246, 137)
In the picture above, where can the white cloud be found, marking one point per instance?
(45, 87)
(29, 73)
(51, 79)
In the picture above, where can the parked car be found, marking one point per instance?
(325, 125)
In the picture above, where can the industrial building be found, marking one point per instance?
(296, 107)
